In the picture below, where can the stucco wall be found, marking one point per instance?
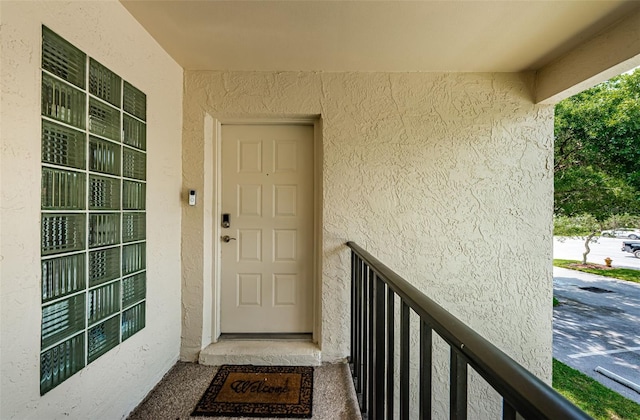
(447, 178)
(114, 384)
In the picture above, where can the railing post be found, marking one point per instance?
(426, 351)
(390, 351)
(371, 278)
(353, 311)
(378, 353)
(508, 412)
(365, 338)
(357, 362)
(404, 361)
(458, 386)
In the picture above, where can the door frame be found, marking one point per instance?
(214, 128)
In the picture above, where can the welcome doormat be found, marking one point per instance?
(258, 391)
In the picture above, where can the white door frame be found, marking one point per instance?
(216, 194)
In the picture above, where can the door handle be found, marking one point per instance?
(227, 238)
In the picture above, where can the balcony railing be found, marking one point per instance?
(374, 291)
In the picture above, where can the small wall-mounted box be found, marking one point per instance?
(192, 197)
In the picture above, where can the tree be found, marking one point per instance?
(597, 149)
(584, 189)
(597, 152)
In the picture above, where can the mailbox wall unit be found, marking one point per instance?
(93, 219)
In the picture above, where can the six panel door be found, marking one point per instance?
(267, 189)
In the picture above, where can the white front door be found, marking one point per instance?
(267, 263)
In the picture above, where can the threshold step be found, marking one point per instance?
(261, 353)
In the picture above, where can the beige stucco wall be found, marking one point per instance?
(115, 383)
(447, 178)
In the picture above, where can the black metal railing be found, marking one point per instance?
(374, 290)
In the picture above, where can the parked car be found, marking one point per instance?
(633, 247)
(622, 233)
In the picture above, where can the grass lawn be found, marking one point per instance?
(595, 399)
(627, 274)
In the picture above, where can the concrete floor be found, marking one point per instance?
(177, 394)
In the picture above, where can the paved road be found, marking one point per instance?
(598, 329)
(572, 249)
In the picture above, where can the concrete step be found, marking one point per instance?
(261, 353)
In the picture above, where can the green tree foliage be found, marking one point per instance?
(597, 150)
(580, 225)
(597, 153)
(584, 189)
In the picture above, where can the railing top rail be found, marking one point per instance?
(529, 395)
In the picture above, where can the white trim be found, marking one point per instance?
(209, 242)
(318, 239)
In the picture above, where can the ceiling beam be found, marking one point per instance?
(612, 52)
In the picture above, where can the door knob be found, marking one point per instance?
(227, 238)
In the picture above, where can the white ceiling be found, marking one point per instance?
(431, 36)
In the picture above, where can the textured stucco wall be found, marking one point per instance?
(115, 383)
(447, 178)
